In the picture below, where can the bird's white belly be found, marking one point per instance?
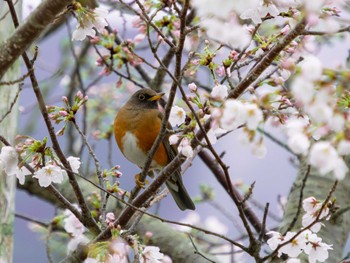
(133, 153)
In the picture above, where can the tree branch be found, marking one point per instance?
(28, 32)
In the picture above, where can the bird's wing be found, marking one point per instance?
(174, 183)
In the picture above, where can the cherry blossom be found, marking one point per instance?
(75, 241)
(325, 158)
(74, 163)
(311, 204)
(21, 173)
(119, 251)
(90, 260)
(173, 139)
(254, 115)
(219, 92)
(213, 134)
(275, 239)
(311, 66)
(262, 10)
(177, 116)
(9, 160)
(299, 143)
(303, 90)
(185, 148)
(295, 246)
(151, 254)
(316, 249)
(308, 219)
(192, 87)
(89, 20)
(233, 115)
(49, 174)
(72, 225)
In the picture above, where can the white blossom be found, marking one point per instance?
(234, 115)
(72, 224)
(90, 260)
(219, 92)
(275, 239)
(295, 125)
(308, 219)
(299, 143)
(74, 163)
(316, 249)
(311, 204)
(337, 122)
(21, 173)
(213, 134)
(177, 116)
(313, 6)
(254, 115)
(340, 169)
(320, 113)
(173, 139)
(151, 254)
(49, 174)
(295, 246)
(75, 241)
(303, 90)
(88, 21)
(311, 66)
(9, 160)
(230, 33)
(192, 87)
(119, 251)
(260, 11)
(344, 147)
(323, 156)
(185, 148)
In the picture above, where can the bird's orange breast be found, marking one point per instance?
(144, 125)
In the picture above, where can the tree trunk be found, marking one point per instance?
(8, 129)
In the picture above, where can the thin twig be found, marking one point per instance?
(20, 87)
(197, 251)
(300, 203)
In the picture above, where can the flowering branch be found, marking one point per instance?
(90, 222)
(267, 60)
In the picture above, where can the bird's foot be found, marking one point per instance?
(139, 182)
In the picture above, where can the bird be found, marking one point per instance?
(136, 127)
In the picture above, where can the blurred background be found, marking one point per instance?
(273, 175)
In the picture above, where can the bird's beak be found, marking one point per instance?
(156, 97)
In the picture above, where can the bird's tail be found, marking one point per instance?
(179, 192)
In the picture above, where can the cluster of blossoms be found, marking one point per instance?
(119, 251)
(75, 229)
(88, 20)
(323, 120)
(67, 113)
(46, 175)
(225, 116)
(306, 240)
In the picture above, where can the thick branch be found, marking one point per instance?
(29, 31)
(266, 61)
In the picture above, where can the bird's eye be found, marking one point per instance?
(142, 97)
